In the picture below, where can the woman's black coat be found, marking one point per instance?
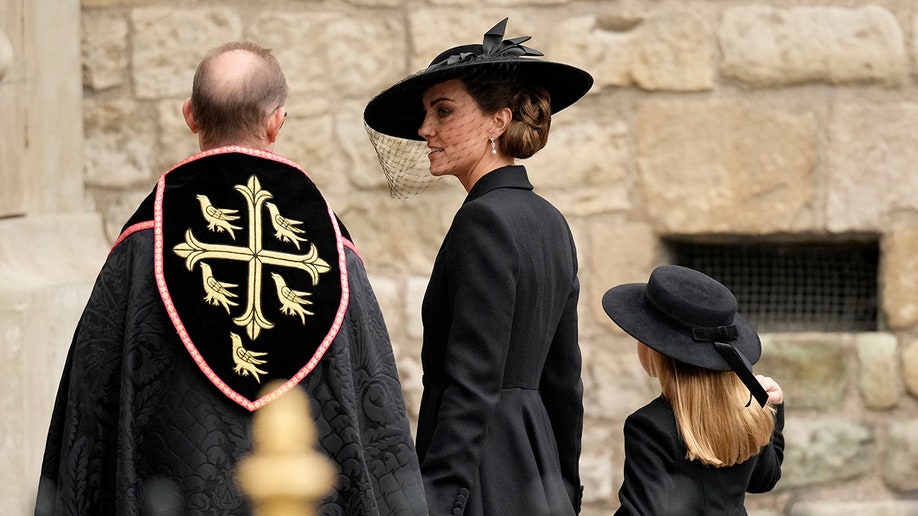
(501, 417)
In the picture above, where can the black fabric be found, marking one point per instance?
(137, 424)
(660, 481)
(501, 417)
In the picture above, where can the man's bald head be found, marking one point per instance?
(237, 88)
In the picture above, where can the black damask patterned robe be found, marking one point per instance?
(144, 425)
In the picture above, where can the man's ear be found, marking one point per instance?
(275, 122)
(189, 118)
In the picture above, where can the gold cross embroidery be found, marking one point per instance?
(193, 250)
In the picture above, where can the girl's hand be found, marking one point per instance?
(775, 394)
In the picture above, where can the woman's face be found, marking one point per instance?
(457, 133)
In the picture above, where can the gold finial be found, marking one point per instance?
(285, 475)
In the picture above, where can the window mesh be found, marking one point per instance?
(793, 287)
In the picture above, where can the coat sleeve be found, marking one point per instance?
(651, 465)
(768, 467)
(482, 268)
(562, 393)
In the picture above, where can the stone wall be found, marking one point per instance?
(776, 119)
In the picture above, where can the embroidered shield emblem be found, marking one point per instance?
(250, 264)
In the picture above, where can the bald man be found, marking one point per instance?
(232, 283)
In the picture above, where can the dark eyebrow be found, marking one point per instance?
(438, 100)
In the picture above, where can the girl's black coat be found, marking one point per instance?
(502, 415)
(660, 481)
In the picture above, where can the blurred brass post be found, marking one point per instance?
(285, 475)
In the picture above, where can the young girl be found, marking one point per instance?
(715, 433)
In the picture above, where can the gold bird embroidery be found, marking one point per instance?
(286, 228)
(218, 219)
(291, 300)
(217, 291)
(246, 361)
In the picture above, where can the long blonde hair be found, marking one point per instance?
(711, 413)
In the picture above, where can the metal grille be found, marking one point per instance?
(793, 287)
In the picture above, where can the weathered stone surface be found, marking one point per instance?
(870, 148)
(826, 450)
(811, 368)
(331, 55)
(880, 377)
(725, 167)
(767, 46)
(104, 46)
(176, 141)
(910, 367)
(614, 384)
(120, 144)
(599, 470)
(619, 252)
(670, 51)
(584, 164)
(899, 276)
(168, 44)
(873, 508)
(900, 463)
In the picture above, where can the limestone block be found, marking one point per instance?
(900, 464)
(726, 167)
(619, 252)
(873, 508)
(910, 367)
(330, 55)
(824, 451)
(871, 146)
(585, 163)
(770, 46)
(601, 462)
(614, 384)
(175, 140)
(880, 379)
(414, 298)
(899, 277)
(117, 206)
(104, 45)
(120, 144)
(811, 367)
(168, 44)
(411, 375)
(670, 51)
(352, 155)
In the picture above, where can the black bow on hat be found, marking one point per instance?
(687, 315)
(398, 110)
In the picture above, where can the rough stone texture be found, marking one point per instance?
(725, 167)
(899, 275)
(871, 146)
(825, 450)
(873, 508)
(766, 46)
(799, 126)
(811, 368)
(120, 144)
(104, 50)
(910, 367)
(900, 464)
(168, 43)
(880, 380)
(671, 51)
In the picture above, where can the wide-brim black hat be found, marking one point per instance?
(689, 316)
(398, 110)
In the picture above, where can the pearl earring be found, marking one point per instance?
(493, 146)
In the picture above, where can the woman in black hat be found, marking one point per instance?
(501, 415)
(704, 443)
